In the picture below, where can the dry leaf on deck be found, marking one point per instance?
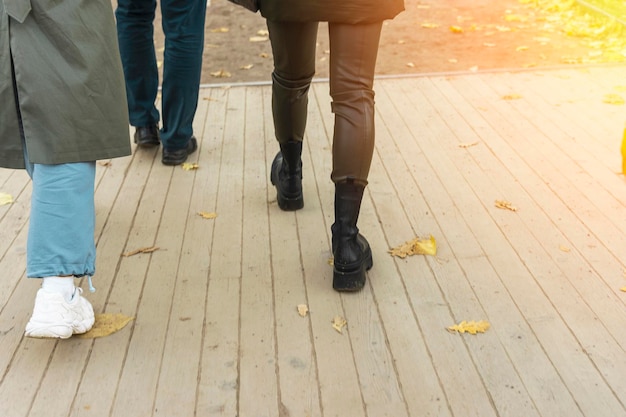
(141, 250)
(623, 289)
(522, 48)
(467, 145)
(189, 166)
(512, 96)
(207, 215)
(5, 199)
(219, 30)
(220, 74)
(339, 323)
(471, 327)
(614, 99)
(303, 309)
(564, 248)
(105, 325)
(246, 67)
(505, 205)
(105, 163)
(416, 246)
(456, 29)
(258, 38)
(428, 25)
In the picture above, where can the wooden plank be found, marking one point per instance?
(133, 224)
(180, 364)
(217, 390)
(540, 266)
(258, 358)
(297, 366)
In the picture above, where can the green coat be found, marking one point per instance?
(70, 84)
(340, 11)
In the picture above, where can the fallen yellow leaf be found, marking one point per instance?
(471, 327)
(220, 74)
(502, 204)
(564, 248)
(521, 48)
(189, 166)
(105, 163)
(219, 30)
(5, 199)
(512, 96)
(623, 289)
(207, 215)
(246, 67)
(468, 145)
(258, 38)
(456, 29)
(339, 323)
(105, 325)
(149, 249)
(303, 309)
(416, 246)
(614, 99)
(428, 25)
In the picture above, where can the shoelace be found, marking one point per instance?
(92, 289)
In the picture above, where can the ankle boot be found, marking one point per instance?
(286, 175)
(351, 251)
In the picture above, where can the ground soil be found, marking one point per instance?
(430, 36)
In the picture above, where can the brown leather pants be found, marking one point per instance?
(353, 51)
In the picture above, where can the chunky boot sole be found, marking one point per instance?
(285, 202)
(351, 278)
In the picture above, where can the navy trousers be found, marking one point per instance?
(183, 26)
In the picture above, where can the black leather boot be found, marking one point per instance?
(287, 176)
(351, 251)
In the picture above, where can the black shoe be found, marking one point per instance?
(286, 175)
(179, 156)
(147, 136)
(351, 251)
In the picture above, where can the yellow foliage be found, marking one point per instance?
(5, 199)
(207, 215)
(105, 325)
(471, 327)
(188, 166)
(416, 246)
(339, 323)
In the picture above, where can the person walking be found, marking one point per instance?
(63, 108)
(354, 28)
(183, 26)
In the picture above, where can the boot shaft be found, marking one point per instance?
(348, 198)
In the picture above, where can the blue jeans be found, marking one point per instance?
(62, 220)
(183, 26)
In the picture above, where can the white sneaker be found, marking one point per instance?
(55, 317)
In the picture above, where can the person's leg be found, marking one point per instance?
(353, 51)
(293, 48)
(183, 26)
(60, 247)
(135, 33)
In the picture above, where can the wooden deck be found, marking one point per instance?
(216, 331)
